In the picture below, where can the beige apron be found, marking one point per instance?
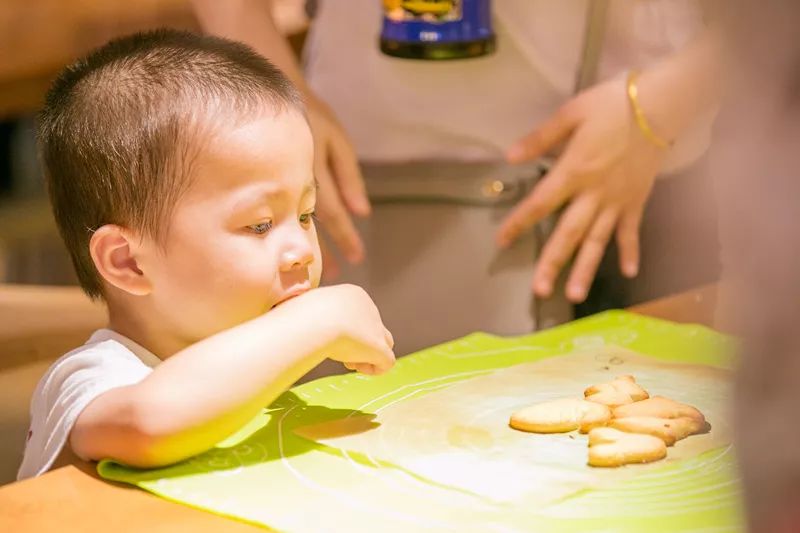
(432, 265)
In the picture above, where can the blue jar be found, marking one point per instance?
(437, 29)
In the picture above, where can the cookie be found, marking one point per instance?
(609, 447)
(623, 390)
(667, 419)
(561, 416)
(666, 429)
(658, 407)
(610, 397)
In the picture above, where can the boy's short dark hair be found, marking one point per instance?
(116, 130)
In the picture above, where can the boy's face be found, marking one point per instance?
(242, 238)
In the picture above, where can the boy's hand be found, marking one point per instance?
(351, 326)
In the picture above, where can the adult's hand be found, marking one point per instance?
(341, 186)
(604, 176)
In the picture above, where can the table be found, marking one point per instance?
(73, 498)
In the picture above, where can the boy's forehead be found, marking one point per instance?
(268, 154)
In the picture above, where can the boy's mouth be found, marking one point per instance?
(295, 291)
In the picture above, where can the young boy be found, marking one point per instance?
(180, 173)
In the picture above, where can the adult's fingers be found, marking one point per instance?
(347, 173)
(335, 219)
(541, 140)
(547, 196)
(330, 265)
(590, 255)
(628, 241)
(560, 246)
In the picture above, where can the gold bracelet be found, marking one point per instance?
(638, 114)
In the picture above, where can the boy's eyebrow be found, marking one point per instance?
(250, 199)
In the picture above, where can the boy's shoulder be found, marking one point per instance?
(105, 352)
(107, 360)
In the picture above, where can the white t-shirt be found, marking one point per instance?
(473, 110)
(107, 360)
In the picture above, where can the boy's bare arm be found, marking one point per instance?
(207, 391)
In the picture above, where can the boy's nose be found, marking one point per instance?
(296, 257)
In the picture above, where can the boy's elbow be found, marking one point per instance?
(141, 449)
(139, 438)
(152, 443)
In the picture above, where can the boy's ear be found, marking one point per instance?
(114, 251)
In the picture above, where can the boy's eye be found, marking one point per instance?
(306, 218)
(260, 228)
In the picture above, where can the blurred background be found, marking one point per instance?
(39, 37)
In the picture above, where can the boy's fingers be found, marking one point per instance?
(381, 359)
(628, 241)
(386, 362)
(362, 368)
(335, 219)
(560, 246)
(365, 368)
(547, 196)
(384, 358)
(590, 255)
(537, 143)
(389, 338)
(348, 176)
